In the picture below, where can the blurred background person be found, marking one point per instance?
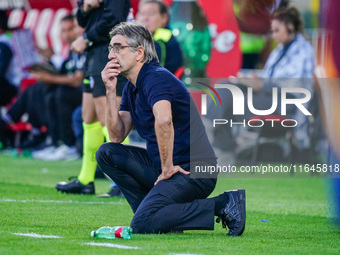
(51, 101)
(154, 14)
(98, 17)
(63, 96)
(253, 18)
(292, 58)
(10, 74)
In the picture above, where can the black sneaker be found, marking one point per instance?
(75, 187)
(114, 192)
(233, 214)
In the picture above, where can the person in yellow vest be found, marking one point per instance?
(154, 14)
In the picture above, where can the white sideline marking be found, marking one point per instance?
(114, 246)
(59, 201)
(35, 235)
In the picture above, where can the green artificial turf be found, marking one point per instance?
(284, 216)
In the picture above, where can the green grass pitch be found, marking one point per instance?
(296, 213)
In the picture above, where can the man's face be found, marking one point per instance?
(122, 53)
(150, 16)
(68, 31)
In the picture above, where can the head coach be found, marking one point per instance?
(156, 182)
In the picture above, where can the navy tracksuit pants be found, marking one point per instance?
(176, 204)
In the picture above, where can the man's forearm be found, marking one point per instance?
(113, 120)
(165, 139)
(66, 80)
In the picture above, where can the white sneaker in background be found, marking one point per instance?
(63, 152)
(44, 152)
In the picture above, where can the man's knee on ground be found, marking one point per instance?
(141, 225)
(107, 153)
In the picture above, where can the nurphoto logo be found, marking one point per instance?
(240, 101)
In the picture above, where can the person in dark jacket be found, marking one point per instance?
(97, 17)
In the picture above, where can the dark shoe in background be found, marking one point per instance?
(114, 192)
(75, 187)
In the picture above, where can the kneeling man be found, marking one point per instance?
(156, 182)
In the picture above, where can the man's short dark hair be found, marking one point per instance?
(68, 17)
(3, 20)
(163, 8)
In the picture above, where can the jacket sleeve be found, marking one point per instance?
(113, 12)
(82, 16)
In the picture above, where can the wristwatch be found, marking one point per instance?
(88, 42)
